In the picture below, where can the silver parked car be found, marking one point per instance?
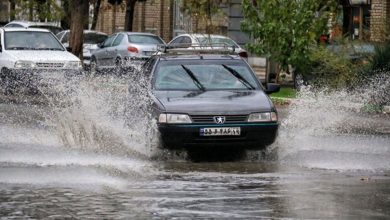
(206, 41)
(91, 41)
(124, 50)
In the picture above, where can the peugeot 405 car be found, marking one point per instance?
(210, 100)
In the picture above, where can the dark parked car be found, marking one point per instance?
(210, 100)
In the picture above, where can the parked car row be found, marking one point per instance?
(128, 49)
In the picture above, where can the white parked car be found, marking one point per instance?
(206, 41)
(27, 55)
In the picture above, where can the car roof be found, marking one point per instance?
(86, 31)
(197, 35)
(143, 33)
(33, 23)
(24, 29)
(167, 57)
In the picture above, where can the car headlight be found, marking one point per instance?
(263, 117)
(21, 64)
(73, 65)
(174, 119)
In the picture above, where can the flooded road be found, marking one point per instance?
(82, 164)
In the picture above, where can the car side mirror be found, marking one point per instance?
(69, 49)
(100, 45)
(272, 88)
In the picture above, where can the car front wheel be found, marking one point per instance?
(6, 81)
(93, 68)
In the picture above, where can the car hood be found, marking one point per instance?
(214, 102)
(42, 55)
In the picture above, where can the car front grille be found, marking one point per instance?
(210, 118)
(50, 65)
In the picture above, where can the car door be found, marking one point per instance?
(113, 52)
(101, 55)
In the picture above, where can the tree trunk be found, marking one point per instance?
(95, 14)
(130, 5)
(114, 19)
(78, 18)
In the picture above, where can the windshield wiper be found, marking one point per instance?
(193, 77)
(19, 48)
(239, 77)
(48, 49)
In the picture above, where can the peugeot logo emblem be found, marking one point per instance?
(219, 119)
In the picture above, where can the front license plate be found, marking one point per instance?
(225, 131)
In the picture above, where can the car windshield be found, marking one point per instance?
(94, 38)
(206, 40)
(144, 39)
(31, 40)
(205, 75)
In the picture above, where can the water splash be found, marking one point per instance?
(333, 130)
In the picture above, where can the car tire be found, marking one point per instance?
(6, 82)
(118, 66)
(299, 81)
(93, 69)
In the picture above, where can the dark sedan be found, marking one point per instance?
(211, 100)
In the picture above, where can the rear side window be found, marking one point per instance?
(118, 40)
(144, 39)
(13, 25)
(94, 38)
(55, 30)
(109, 40)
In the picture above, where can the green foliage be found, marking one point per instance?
(202, 11)
(380, 61)
(329, 69)
(40, 10)
(285, 92)
(284, 30)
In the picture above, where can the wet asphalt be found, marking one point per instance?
(336, 174)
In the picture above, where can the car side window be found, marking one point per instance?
(109, 40)
(118, 40)
(65, 38)
(14, 25)
(186, 40)
(177, 41)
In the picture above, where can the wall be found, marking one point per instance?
(380, 20)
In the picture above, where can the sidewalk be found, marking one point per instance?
(261, 72)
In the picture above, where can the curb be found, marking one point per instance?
(386, 109)
(356, 106)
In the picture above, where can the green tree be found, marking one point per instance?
(202, 11)
(37, 10)
(284, 31)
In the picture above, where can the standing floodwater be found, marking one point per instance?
(79, 153)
